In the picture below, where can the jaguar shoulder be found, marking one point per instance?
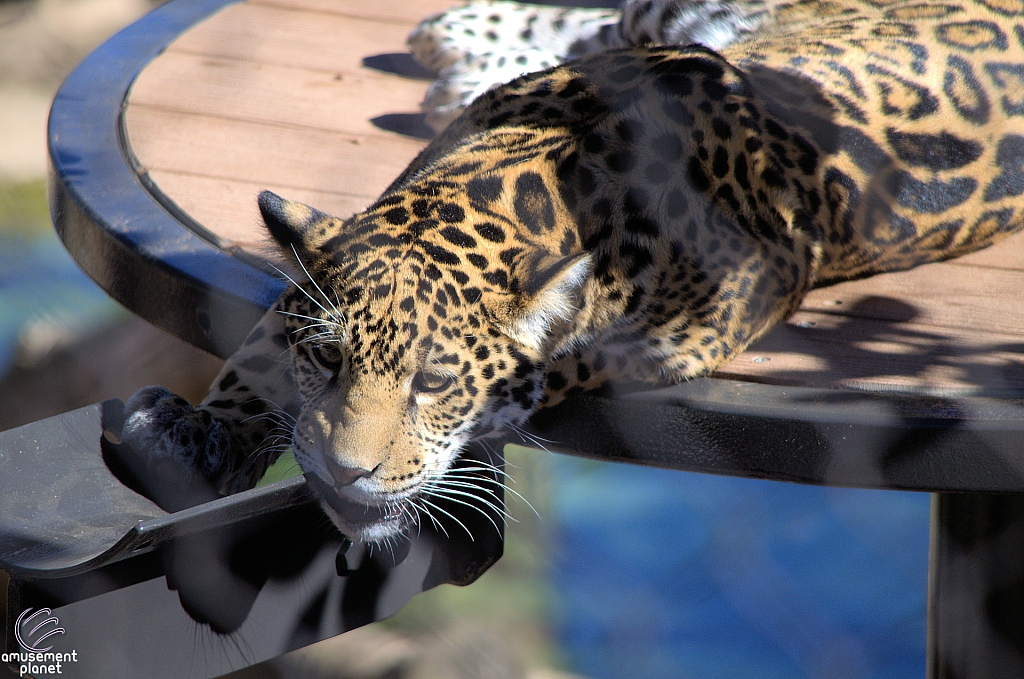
(644, 212)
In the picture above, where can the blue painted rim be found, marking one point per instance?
(131, 239)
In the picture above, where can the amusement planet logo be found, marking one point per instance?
(36, 660)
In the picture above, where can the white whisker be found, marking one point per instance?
(528, 437)
(453, 483)
(441, 496)
(506, 488)
(317, 321)
(431, 504)
(497, 505)
(299, 287)
(337, 312)
(430, 516)
(497, 471)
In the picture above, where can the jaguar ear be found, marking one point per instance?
(295, 228)
(550, 287)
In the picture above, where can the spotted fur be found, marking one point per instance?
(641, 213)
(485, 44)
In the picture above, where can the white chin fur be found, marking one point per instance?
(370, 531)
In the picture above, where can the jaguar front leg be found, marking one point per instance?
(236, 432)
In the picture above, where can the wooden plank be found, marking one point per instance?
(934, 295)
(1006, 254)
(843, 352)
(266, 154)
(246, 90)
(274, 35)
(236, 105)
(943, 328)
(380, 10)
(228, 207)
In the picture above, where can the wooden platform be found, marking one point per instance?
(299, 97)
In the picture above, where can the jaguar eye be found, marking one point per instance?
(430, 382)
(328, 355)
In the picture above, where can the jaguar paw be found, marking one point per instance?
(174, 450)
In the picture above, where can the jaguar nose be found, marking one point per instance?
(346, 476)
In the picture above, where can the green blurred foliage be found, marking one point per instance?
(283, 468)
(23, 210)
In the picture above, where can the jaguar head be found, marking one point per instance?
(401, 357)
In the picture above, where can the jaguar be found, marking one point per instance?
(653, 189)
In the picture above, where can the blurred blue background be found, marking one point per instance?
(671, 574)
(42, 290)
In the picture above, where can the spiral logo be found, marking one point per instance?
(40, 632)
